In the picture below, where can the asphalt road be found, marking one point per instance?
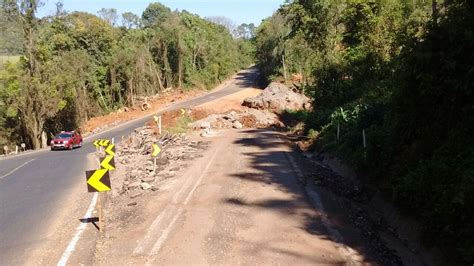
(33, 186)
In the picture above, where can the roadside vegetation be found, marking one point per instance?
(77, 65)
(400, 73)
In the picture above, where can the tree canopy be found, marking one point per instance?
(78, 65)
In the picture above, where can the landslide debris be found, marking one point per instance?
(248, 118)
(136, 175)
(259, 111)
(278, 97)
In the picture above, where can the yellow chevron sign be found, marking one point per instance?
(107, 162)
(101, 142)
(156, 149)
(96, 143)
(98, 180)
(110, 150)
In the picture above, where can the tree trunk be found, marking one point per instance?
(284, 66)
(434, 8)
(180, 69)
(130, 91)
(44, 139)
(168, 78)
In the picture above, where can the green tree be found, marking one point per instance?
(155, 14)
(130, 20)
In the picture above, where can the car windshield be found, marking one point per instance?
(64, 136)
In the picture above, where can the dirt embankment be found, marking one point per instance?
(100, 123)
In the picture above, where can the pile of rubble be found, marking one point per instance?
(258, 111)
(137, 174)
(278, 97)
(249, 118)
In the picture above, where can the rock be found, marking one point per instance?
(132, 203)
(232, 116)
(148, 179)
(134, 184)
(278, 97)
(146, 186)
(237, 125)
(134, 173)
(149, 168)
(136, 194)
(205, 125)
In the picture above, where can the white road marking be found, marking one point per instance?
(12, 171)
(200, 177)
(154, 226)
(80, 229)
(159, 243)
(150, 232)
(350, 254)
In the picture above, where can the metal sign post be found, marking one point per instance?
(156, 150)
(99, 180)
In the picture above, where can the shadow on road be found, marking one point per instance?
(276, 170)
(93, 220)
(250, 78)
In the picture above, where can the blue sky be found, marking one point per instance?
(239, 11)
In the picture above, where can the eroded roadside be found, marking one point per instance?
(230, 193)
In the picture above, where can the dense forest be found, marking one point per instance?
(74, 66)
(400, 74)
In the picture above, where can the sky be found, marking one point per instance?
(239, 11)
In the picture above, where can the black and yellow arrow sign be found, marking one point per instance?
(107, 162)
(98, 180)
(96, 143)
(156, 150)
(110, 150)
(101, 142)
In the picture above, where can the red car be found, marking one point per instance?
(66, 140)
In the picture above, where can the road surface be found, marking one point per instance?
(36, 187)
(240, 204)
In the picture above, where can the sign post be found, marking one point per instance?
(154, 153)
(99, 180)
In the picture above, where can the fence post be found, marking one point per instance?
(159, 124)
